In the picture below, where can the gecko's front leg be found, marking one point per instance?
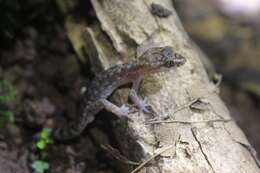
(139, 102)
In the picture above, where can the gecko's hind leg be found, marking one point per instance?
(122, 111)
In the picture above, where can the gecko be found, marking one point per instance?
(95, 97)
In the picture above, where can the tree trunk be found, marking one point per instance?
(192, 130)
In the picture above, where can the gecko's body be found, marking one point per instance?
(94, 99)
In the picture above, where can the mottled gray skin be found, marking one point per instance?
(104, 84)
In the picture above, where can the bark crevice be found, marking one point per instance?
(201, 149)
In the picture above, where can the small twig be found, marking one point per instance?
(185, 105)
(117, 155)
(188, 122)
(151, 158)
(197, 103)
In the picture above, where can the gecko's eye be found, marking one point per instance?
(167, 52)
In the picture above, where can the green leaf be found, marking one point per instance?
(40, 166)
(45, 166)
(45, 133)
(41, 144)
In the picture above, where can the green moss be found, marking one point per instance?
(6, 117)
(7, 94)
(150, 85)
(7, 91)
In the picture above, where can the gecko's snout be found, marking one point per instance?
(179, 60)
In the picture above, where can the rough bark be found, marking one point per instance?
(198, 138)
(11, 165)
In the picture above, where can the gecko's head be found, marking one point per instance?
(164, 57)
(171, 59)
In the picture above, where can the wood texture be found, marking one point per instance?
(124, 28)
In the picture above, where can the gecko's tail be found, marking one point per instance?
(73, 130)
(66, 133)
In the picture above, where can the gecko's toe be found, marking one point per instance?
(125, 110)
(144, 106)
